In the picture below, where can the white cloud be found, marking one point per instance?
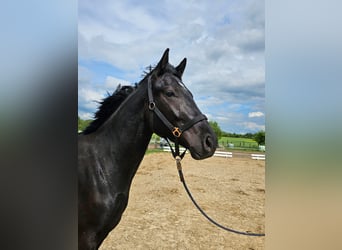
(85, 115)
(112, 82)
(88, 99)
(255, 114)
(252, 126)
(90, 94)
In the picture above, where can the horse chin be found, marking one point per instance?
(199, 154)
(196, 156)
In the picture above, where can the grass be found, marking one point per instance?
(239, 143)
(154, 150)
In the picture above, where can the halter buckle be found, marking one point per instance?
(151, 106)
(176, 132)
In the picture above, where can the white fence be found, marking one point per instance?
(230, 154)
(258, 157)
(223, 154)
(168, 149)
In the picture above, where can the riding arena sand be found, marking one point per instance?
(160, 215)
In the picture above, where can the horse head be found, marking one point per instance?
(176, 115)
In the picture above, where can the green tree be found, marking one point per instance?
(79, 123)
(217, 130)
(82, 124)
(259, 137)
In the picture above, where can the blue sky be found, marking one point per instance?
(222, 40)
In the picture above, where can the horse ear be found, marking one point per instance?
(180, 68)
(163, 62)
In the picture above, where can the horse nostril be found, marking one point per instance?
(208, 142)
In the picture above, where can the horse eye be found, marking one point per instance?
(169, 93)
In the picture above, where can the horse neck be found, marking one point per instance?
(126, 133)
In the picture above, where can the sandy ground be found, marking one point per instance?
(161, 216)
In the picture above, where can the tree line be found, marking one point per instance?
(259, 136)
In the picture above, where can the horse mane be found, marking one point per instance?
(148, 70)
(108, 106)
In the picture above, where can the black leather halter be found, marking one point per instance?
(176, 131)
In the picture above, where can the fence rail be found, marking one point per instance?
(223, 154)
(168, 149)
(258, 157)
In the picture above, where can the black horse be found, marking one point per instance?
(112, 147)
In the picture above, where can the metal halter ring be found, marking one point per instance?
(176, 132)
(151, 106)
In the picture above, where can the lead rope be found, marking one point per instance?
(178, 159)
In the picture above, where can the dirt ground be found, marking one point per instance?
(160, 215)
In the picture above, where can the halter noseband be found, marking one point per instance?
(176, 131)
